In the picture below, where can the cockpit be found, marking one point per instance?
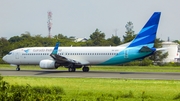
(9, 53)
(8, 57)
(12, 57)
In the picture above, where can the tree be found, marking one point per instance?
(114, 40)
(129, 33)
(60, 36)
(15, 39)
(4, 46)
(158, 55)
(64, 40)
(26, 35)
(177, 41)
(97, 38)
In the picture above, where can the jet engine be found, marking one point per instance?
(48, 64)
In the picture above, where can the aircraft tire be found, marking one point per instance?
(85, 69)
(17, 69)
(71, 69)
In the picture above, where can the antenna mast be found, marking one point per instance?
(49, 23)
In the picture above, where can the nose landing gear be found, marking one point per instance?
(18, 68)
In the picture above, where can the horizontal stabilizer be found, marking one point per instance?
(161, 49)
(145, 49)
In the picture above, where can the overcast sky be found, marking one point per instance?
(80, 18)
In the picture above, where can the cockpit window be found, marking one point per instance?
(9, 53)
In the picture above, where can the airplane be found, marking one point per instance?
(82, 57)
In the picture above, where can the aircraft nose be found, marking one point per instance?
(4, 58)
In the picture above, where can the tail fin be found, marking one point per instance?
(147, 35)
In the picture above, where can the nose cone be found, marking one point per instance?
(5, 58)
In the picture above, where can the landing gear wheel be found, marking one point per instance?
(17, 68)
(85, 69)
(71, 69)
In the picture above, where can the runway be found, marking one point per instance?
(92, 74)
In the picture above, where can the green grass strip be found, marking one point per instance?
(99, 89)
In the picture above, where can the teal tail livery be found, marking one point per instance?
(55, 51)
(83, 57)
(141, 46)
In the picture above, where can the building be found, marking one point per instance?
(80, 40)
(173, 51)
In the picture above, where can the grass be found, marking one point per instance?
(99, 89)
(106, 68)
(105, 89)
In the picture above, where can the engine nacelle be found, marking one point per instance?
(48, 64)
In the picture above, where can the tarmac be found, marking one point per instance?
(93, 74)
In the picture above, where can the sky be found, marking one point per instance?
(80, 18)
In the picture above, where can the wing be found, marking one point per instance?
(62, 59)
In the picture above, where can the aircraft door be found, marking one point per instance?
(126, 53)
(17, 55)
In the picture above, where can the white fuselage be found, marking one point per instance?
(86, 55)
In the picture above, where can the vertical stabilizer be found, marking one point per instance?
(147, 35)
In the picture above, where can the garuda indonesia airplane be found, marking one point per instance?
(82, 57)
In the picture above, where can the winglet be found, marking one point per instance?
(55, 48)
(147, 35)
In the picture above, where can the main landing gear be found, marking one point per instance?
(85, 69)
(18, 68)
(72, 68)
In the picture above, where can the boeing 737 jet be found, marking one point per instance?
(82, 57)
